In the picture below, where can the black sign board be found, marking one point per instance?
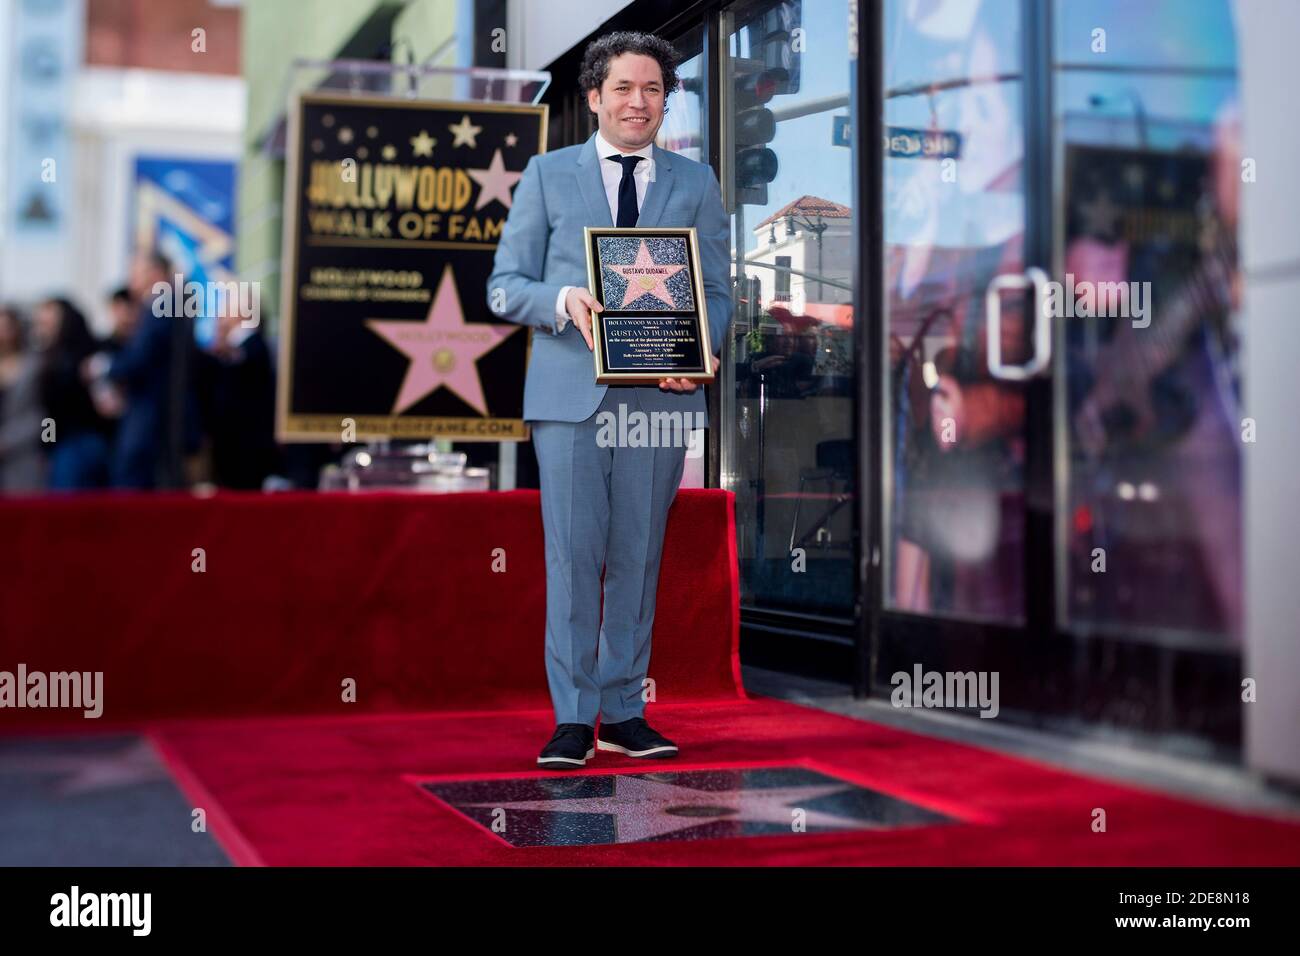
(393, 212)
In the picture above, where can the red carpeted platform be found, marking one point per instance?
(235, 672)
(427, 602)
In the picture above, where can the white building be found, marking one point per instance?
(804, 256)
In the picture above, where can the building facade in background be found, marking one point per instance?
(99, 88)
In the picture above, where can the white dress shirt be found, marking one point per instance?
(612, 174)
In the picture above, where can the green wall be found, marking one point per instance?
(277, 32)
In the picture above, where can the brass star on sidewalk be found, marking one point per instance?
(644, 809)
(602, 809)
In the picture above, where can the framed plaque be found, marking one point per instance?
(654, 324)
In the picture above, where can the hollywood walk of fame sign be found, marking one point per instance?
(393, 212)
(653, 324)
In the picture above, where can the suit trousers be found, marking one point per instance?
(605, 502)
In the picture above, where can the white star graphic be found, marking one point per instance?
(643, 808)
(1099, 215)
(511, 139)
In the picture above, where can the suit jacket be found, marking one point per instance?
(542, 249)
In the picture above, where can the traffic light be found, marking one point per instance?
(754, 127)
(778, 31)
(748, 292)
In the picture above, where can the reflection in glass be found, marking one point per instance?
(1152, 533)
(790, 456)
(683, 127)
(954, 218)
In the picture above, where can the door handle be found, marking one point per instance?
(1034, 278)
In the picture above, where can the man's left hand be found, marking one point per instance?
(685, 385)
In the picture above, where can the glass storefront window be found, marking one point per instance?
(789, 450)
(954, 218)
(683, 127)
(1149, 145)
(1143, 198)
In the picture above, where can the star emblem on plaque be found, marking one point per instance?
(391, 239)
(653, 324)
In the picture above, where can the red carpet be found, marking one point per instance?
(235, 673)
(342, 791)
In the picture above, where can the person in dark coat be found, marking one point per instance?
(235, 381)
(79, 451)
(159, 425)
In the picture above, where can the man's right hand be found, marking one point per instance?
(580, 303)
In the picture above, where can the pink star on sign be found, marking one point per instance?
(443, 349)
(646, 276)
(495, 182)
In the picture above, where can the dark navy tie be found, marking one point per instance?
(627, 211)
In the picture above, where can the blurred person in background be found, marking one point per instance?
(159, 424)
(235, 383)
(124, 319)
(108, 398)
(22, 460)
(79, 452)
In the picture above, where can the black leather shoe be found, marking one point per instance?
(569, 747)
(635, 738)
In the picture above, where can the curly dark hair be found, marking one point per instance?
(595, 60)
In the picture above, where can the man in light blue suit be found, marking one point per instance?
(604, 502)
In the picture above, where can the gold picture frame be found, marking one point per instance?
(670, 323)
